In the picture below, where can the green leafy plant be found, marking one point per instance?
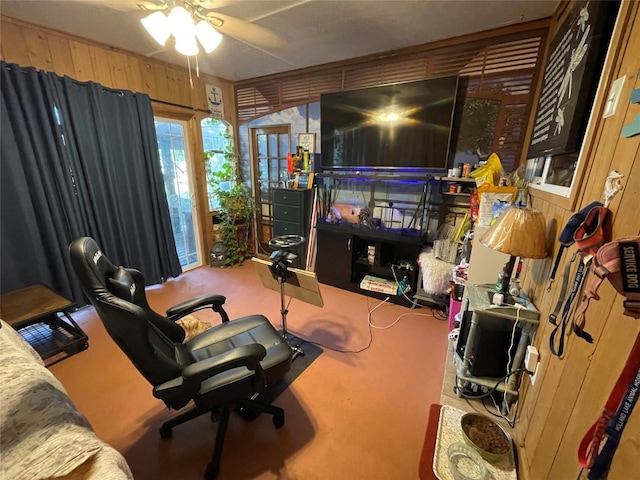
(235, 204)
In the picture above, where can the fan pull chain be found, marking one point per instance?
(197, 69)
(190, 78)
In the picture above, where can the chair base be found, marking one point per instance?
(222, 415)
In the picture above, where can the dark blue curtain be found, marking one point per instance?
(78, 159)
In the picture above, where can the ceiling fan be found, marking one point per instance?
(206, 12)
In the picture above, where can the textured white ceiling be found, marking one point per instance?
(284, 35)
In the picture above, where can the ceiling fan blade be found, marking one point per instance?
(247, 32)
(213, 4)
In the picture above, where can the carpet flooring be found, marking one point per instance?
(358, 411)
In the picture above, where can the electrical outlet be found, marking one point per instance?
(535, 374)
(613, 97)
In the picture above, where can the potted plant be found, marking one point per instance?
(234, 203)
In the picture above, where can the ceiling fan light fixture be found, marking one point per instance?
(208, 36)
(181, 23)
(186, 45)
(158, 27)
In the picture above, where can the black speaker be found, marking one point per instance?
(489, 349)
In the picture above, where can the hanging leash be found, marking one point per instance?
(588, 236)
(568, 237)
(614, 431)
(589, 449)
(556, 339)
(618, 262)
(589, 230)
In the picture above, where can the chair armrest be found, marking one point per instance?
(245, 356)
(204, 301)
(179, 391)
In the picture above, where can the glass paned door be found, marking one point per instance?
(270, 146)
(174, 158)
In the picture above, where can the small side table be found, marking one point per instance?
(489, 345)
(41, 317)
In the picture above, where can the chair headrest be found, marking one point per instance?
(122, 285)
(90, 264)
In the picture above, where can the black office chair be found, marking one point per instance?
(225, 367)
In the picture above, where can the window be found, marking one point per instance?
(217, 141)
(175, 163)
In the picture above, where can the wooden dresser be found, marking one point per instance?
(292, 215)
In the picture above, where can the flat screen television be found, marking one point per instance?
(402, 126)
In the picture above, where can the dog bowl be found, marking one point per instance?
(465, 463)
(491, 441)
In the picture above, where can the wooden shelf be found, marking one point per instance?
(457, 179)
(454, 194)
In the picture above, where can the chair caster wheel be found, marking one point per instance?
(215, 415)
(212, 471)
(278, 420)
(165, 432)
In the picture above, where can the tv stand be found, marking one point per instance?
(374, 253)
(344, 261)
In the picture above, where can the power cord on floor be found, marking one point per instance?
(370, 325)
(369, 312)
(439, 314)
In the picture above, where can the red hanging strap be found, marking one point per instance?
(590, 444)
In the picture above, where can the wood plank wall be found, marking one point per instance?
(570, 392)
(29, 45)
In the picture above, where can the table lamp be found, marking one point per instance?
(519, 232)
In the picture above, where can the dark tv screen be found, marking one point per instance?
(406, 125)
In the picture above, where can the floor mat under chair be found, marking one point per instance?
(299, 365)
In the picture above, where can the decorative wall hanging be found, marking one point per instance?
(214, 101)
(571, 77)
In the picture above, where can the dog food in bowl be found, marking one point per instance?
(490, 439)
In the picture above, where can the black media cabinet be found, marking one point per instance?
(343, 259)
(372, 226)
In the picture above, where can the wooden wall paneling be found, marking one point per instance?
(118, 74)
(558, 409)
(13, 44)
(198, 94)
(148, 75)
(38, 49)
(545, 304)
(100, 64)
(133, 75)
(596, 375)
(162, 89)
(611, 349)
(81, 61)
(180, 84)
(568, 377)
(199, 194)
(608, 156)
(61, 55)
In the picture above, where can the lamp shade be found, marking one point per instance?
(208, 36)
(519, 232)
(158, 26)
